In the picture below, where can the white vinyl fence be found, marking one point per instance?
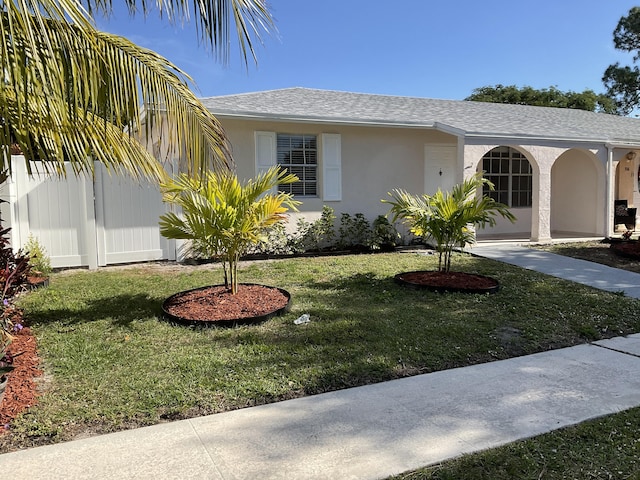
(86, 222)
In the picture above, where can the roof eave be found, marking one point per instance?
(445, 128)
(324, 120)
(526, 137)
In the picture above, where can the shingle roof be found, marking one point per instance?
(469, 118)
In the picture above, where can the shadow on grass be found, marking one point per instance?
(122, 309)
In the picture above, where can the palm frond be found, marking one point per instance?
(67, 88)
(446, 217)
(222, 215)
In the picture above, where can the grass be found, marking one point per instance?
(111, 364)
(605, 448)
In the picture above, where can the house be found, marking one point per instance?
(560, 170)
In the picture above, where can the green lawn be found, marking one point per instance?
(605, 448)
(111, 364)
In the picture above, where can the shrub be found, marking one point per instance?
(14, 270)
(38, 259)
(385, 235)
(316, 235)
(274, 242)
(354, 231)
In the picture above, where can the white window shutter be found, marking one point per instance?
(331, 167)
(265, 152)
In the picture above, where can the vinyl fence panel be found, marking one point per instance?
(87, 222)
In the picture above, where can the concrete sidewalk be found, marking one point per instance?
(576, 270)
(368, 432)
(378, 430)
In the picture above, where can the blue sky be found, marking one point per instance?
(421, 48)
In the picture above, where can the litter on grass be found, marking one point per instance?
(302, 319)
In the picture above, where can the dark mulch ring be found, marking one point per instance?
(217, 306)
(629, 249)
(21, 390)
(460, 282)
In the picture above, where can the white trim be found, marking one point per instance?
(89, 224)
(101, 244)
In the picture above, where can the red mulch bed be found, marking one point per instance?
(630, 249)
(21, 391)
(448, 281)
(217, 303)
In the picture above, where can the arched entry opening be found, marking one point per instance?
(512, 176)
(626, 196)
(577, 195)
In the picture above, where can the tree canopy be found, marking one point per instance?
(70, 92)
(546, 97)
(623, 82)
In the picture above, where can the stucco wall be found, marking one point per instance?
(577, 193)
(375, 160)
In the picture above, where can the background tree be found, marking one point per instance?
(546, 97)
(623, 82)
(71, 92)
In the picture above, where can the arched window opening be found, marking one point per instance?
(511, 174)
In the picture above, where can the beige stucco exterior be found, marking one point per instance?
(570, 183)
(375, 160)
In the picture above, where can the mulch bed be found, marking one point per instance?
(21, 391)
(629, 249)
(217, 305)
(448, 281)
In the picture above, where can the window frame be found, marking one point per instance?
(306, 168)
(508, 181)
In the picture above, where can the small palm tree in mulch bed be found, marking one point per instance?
(222, 218)
(447, 218)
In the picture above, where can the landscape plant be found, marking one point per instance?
(39, 260)
(354, 232)
(223, 217)
(319, 234)
(385, 236)
(14, 273)
(449, 218)
(274, 241)
(71, 93)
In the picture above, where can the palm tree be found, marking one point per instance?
(447, 217)
(223, 217)
(70, 92)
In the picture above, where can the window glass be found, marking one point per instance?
(511, 174)
(298, 154)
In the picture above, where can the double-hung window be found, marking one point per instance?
(511, 174)
(298, 154)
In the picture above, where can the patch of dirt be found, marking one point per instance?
(218, 304)
(21, 391)
(448, 281)
(510, 339)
